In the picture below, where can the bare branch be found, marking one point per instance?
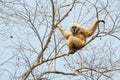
(56, 72)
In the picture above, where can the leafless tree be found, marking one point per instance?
(32, 48)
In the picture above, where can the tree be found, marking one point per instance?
(36, 49)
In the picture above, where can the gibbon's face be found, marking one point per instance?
(74, 29)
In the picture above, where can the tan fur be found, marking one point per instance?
(77, 39)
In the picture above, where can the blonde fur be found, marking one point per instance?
(76, 38)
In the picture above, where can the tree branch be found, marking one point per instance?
(37, 62)
(66, 13)
(56, 72)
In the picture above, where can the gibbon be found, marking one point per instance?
(76, 38)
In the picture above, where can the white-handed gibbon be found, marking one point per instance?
(76, 38)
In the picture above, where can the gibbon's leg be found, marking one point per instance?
(89, 31)
(75, 43)
(71, 46)
(64, 33)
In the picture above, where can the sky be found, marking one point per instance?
(21, 33)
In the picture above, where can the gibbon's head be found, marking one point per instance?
(74, 27)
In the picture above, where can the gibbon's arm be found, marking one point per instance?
(64, 33)
(87, 32)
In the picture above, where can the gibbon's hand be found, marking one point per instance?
(102, 21)
(59, 25)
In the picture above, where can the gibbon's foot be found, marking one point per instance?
(71, 51)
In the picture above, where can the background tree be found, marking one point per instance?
(32, 48)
